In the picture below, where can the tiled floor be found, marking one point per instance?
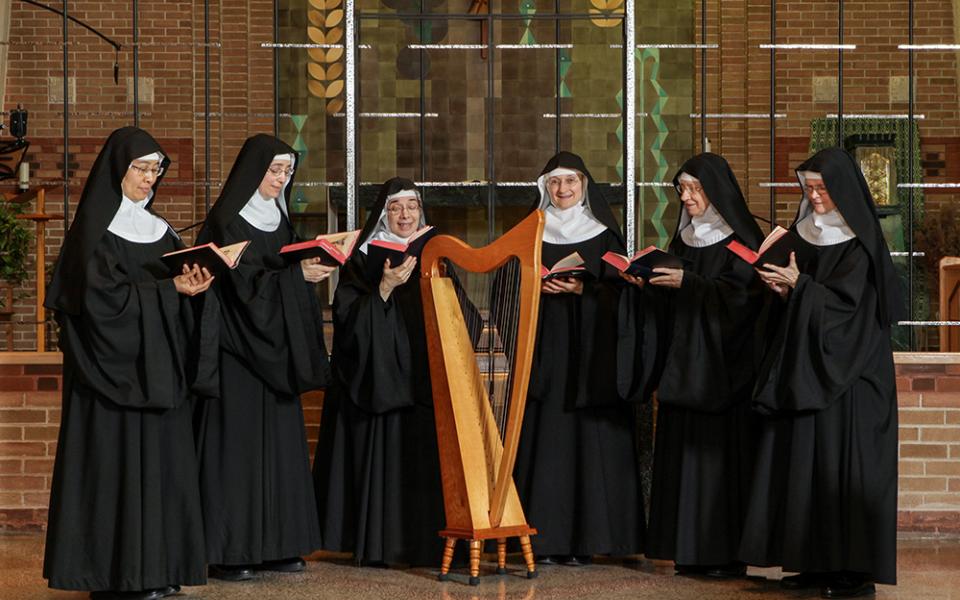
(929, 569)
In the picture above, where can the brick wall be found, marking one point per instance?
(738, 81)
(171, 99)
(928, 391)
(29, 423)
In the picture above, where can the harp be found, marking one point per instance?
(479, 415)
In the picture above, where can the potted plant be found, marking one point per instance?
(14, 250)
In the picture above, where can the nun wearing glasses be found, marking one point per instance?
(138, 343)
(258, 501)
(377, 468)
(824, 498)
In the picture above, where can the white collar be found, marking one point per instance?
(262, 213)
(571, 225)
(827, 229)
(704, 230)
(134, 223)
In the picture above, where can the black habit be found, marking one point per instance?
(824, 498)
(377, 469)
(258, 498)
(577, 470)
(706, 431)
(124, 505)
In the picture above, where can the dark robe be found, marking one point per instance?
(824, 497)
(377, 469)
(577, 471)
(125, 510)
(258, 497)
(706, 431)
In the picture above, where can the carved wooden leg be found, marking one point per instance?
(501, 556)
(528, 556)
(475, 561)
(447, 559)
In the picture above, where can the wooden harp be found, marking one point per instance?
(477, 453)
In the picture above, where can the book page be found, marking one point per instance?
(777, 233)
(567, 262)
(231, 254)
(342, 241)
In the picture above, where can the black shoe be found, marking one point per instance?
(231, 572)
(803, 581)
(142, 595)
(171, 590)
(848, 585)
(284, 565)
(580, 560)
(689, 569)
(548, 560)
(374, 564)
(728, 571)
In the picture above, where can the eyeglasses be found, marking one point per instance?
(396, 209)
(143, 171)
(570, 180)
(693, 189)
(278, 171)
(819, 189)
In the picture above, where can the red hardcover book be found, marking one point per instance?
(333, 249)
(643, 262)
(569, 266)
(215, 259)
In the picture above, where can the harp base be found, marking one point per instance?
(475, 538)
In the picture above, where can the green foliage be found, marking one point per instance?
(15, 241)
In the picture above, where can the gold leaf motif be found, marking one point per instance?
(334, 18)
(316, 36)
(316, 71)
(318, 54)
(316, 18)
(334, 106)
(334, 71)
(332, 4)
(606, 4)
(317, 89)
(335, 88)
(606, 22)
(335, 35)
(334, 54)
(317, 4)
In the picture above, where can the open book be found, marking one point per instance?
(568, 266)
(378, 251)
(644, 262)
(775, 249)
(215, 259)
(333, 249)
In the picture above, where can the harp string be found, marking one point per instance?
(490, 304)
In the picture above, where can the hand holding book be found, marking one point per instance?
(193, 280)
(780, 279)
(394, 277)
(314, 271)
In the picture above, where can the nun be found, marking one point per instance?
(258, 502)
(824, 498)
(577, 470)
(125, 518)
(706, 430)
(377, 469)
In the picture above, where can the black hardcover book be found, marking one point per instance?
(378, 251)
